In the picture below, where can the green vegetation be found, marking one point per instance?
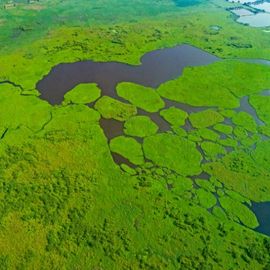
(111, 108)
(174, 116)
(228, 113)
(228, 142)
(262, 106)
(212, 150)
(140, 126)
(173, 152)
(205, 118)
(142, 97)
(240, 133)
(129, 148)
(83, 94)
(206, 199)
(67, 204)
(236, 196)
(207, 185)
(241, 173)
(206, 90)
(237, 210)
(27, 110)
(219, 213)
(261, 154)
(208, 134)
(128, 169)
(226, 129)
(245, 120)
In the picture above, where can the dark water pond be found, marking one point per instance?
(262, 211)
(156, 68)
(111, 128)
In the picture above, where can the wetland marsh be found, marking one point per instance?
(120, 146)
(156, 68)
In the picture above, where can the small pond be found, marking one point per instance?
(256, 20)
(262, 211)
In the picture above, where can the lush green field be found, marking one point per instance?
(185, 201)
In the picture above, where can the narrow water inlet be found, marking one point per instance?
(245, 106)
(111, 128)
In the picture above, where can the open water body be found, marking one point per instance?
(262, 211)
(156, 68)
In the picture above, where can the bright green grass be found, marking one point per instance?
(226, 129)
(212, 150)
(140, 96)
(66, 204)
(111, 108)
(140, 126)
(173, 152)
(175, 116)
(206, 199)
(236, 196)
(26, 110)
(228, 142)
(242, 173)
(129, 148)
(240, 133)
(245, 120)
(64, 198)
(82, 94)
(205, 118)
(207, 90)
(238, 210)
(262, 106)
(208, 134)
(207, 185)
